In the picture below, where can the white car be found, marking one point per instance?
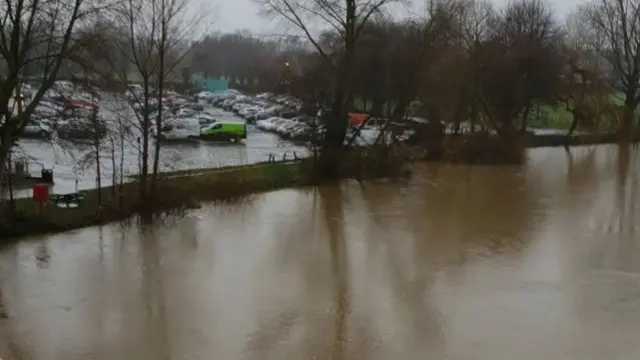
(262, 124)
(38, 128)
(264, 95)
(47, 109)
(205, 95)
(205, 118)
(240, 105)
(181, 129)
(278, 125)
(185, 112)
(268, 124)
(286, 126)
(249, 110)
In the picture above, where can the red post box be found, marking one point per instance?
(40, 192)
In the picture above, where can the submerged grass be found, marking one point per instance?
(176, 190)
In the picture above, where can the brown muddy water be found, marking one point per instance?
(534, 262)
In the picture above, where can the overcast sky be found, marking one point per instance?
(236, 15)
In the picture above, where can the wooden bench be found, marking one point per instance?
(67, 199)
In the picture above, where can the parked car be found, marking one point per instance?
(288, 114)
(180, 129)
(249, 110)
(38, 128)
(286, 127)
(267, 124)
(48, 109)
(205, 95)
(205, 118)
(265, 95)
(185, 112)
(81, 128)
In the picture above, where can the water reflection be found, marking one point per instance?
(332, 203)
(535, 261)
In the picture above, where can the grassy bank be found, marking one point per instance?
(550, 117)
(177, 190)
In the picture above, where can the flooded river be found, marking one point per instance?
(499, 263)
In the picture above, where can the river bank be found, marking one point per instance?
(182, 189)
(176, 191)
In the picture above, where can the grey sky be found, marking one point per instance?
(236, 15)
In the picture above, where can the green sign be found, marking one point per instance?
(216, 85)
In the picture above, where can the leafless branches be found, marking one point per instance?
(613, 30)
(146, 42)
(346, 17)
(36, 35)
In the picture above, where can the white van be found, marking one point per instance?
(181, 129)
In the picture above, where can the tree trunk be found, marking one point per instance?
(525, 119)
(377, 106)
(156, 154)
(626, 131)
(336, 126)
(473, 114)
(121, 169)
(2, 172)
(506, 129)
(333, 140)
(160, 91)
(456, 127)
(98, 177)
(574, 123)
(5, 147)
(10, 183)
(96, 149)
(114, 169)
(144, 171)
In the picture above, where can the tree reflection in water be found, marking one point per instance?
(332, 203)
(153, 295)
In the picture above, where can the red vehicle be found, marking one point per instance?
(357, 119)
(82, 104)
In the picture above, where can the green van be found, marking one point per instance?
(224, 131)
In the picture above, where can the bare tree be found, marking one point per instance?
(148, 45)
(346, 18)
(614, 29)
(119, 138)
(518, 65)
(416, 64)
(35, 38)
(96, 132)
(586, 94)
(476, 16)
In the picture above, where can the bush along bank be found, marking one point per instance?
(176, 191)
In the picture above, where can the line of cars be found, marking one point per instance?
(254, 108)
(70, 111)
(65, 110)
(185, 118)
(280, 114)
(302, 129)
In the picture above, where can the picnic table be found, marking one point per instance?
(67, 199)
